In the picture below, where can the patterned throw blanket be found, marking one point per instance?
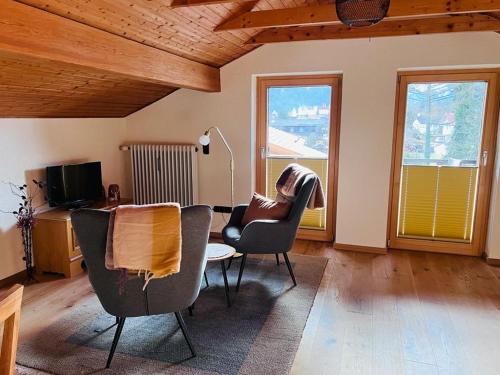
(289, 181)
(145, 240)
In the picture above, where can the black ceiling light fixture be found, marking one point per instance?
(359, 13)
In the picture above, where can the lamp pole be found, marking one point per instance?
(231, 162)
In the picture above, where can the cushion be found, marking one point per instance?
(262, 208)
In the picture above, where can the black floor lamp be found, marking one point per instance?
(205, 142)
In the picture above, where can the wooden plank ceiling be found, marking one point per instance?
(32, 87)
(184, 31)
(173, 34)
(41, 88)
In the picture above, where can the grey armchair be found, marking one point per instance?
(162, 296)
(268, 236)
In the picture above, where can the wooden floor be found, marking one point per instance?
(401, 313)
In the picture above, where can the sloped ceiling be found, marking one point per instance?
(39, 88)
(42, 85)
(187, 32)
(31, 87)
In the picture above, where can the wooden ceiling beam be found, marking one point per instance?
(321, 14)
(447, 24)
(191, 3)
(31, 32)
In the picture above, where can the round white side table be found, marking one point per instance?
(218, 252)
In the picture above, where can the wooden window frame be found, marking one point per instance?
(488, 143)
(333, 80)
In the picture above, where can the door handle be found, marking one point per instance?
(485, 158)
(262, 153)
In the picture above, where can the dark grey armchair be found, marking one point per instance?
(162, 296)
(268, 236)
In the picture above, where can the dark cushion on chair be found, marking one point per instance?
(262, 208)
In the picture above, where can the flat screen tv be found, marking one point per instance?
(74, 185)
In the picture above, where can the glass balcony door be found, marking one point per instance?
(298, 123)
(443, 163)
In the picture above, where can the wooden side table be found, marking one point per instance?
(218, 252)
(55, 247)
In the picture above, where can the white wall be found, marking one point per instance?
(369, 68)
(27, 146)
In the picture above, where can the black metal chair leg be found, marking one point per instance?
(226, 286)
(117, 320)
(118, 332)
(243, 261)
(290, 268)
(206, 278)
(180, 320)
(230, 262)
(277, 259)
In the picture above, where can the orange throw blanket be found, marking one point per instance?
(287, 184)
(145, 239)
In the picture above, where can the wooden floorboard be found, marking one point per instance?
(400, 313)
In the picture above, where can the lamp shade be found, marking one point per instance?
(204, 140)
(359, 13)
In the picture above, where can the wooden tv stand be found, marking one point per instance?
(55, 247)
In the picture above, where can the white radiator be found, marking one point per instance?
(164, 173)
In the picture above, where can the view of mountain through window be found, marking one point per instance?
(299, 121)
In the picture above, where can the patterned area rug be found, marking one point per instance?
(259, 334)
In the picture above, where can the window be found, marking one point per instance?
(444, 123)
(442, 142)
(445, 129)
(297, 123)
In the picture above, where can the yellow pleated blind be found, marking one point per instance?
(418, 200)
(455, 202)
(312, 219)
(437, 202)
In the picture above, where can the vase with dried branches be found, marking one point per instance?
(25, 220)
